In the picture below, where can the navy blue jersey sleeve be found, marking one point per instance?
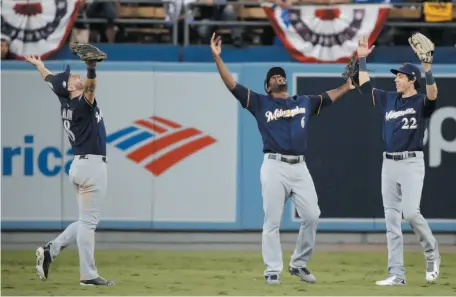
(317, 102)
(378, 96)
(84, 103)
(429, 107)
(87, 102)
(49, 79)
(246, 97)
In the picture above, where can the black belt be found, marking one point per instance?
(400, 157)
(287, 159)
(84, 157)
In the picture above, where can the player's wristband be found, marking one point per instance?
(362, 64)
(429, 78)
(91, 74)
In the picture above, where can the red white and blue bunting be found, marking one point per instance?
(326, 34)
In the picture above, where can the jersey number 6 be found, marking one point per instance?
(409, 124)
(66, 126)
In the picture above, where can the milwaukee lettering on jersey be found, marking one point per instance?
(280, 113)
(396, 114)
(67, 114)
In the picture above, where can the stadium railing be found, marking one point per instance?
(402, 14)
(130, 14)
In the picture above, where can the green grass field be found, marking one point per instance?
(219, 273)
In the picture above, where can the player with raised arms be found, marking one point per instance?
(283, 124)
(84, 124)
(405, 113)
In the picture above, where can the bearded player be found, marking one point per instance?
(283, 122)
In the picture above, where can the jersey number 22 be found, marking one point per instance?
(409, 124)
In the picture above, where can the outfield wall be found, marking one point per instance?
(134, 52)
(205, 173)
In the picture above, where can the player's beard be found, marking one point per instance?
(279, 88)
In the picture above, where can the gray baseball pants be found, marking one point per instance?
(280, 182)
(402, 183)
(89, 177)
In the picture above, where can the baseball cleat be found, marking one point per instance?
(272, 279)
(43, 261)
(99, 281)
(391, 281)
(432, 270)
(303, 273)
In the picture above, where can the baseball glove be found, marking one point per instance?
(352, 71)
(423, 47)
(87, 52)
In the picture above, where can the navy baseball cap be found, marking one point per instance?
(410, 70)
(275, 71)
(272, 72)
(59, 83)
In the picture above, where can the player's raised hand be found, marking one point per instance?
(35, 61)
(363, 47)
(216, 45)
(350, 84)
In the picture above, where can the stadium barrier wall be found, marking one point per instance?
(272, 54)
(202, 173)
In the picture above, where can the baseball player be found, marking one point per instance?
(405, 113)
(282, 121)
(83, 122)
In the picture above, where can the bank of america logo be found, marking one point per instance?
(158, 144)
